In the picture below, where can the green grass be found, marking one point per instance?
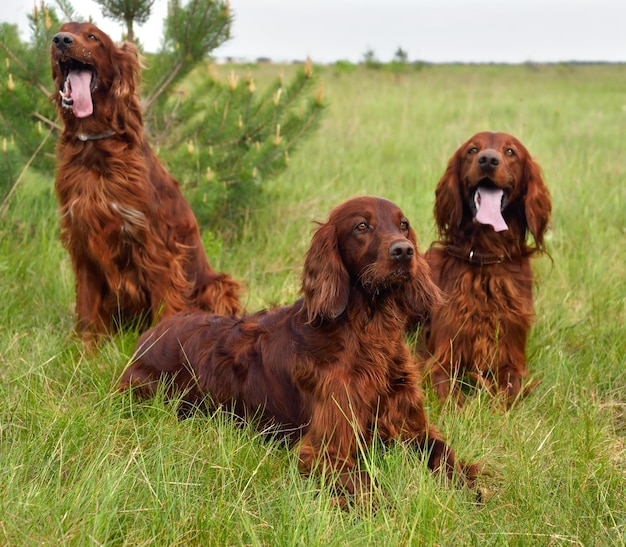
(81, 464)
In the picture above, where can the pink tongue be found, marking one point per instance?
(79, 84)
(488, 203)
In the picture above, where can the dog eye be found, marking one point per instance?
(92, 37)
(361, 227)
(473, 150)
(404, 226)
(509, 152)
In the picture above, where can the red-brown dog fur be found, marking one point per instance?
(331, 370)
(132, 238)
(486, 277)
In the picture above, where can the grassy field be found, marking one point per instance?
(80, 464)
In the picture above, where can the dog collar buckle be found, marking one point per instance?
(84, 137)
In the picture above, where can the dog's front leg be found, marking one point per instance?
(333, 439)
(91, 319)
(403, 418)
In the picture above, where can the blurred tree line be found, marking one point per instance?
(221, 137)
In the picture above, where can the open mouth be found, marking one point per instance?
(79, 80)
(487, 203)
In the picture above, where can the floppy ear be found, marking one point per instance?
(448, 198)
(422, 295)
(128, 66)
(537, 204)
(124, 111)
(325, 280)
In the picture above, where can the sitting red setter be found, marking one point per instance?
(331, 370)
(133, 239)
(490, 196)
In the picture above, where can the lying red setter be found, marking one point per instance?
(330, 370)
(490, 196)
(133, 239)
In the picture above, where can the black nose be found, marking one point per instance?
(401, 250)
(488, 160)
(63, 40)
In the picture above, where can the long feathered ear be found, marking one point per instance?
(422, 295)
(537, 203)
(325, 280)
(448, 198)
(128, 66)
(124, 110)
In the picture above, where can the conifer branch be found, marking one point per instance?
(17, 61)
(5, 202)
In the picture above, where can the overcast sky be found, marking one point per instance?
(513, 31)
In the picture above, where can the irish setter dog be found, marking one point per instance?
(132, 238)
(330, 371)
(490, 196)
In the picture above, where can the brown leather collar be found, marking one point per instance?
(474, 257)
(83, 137)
